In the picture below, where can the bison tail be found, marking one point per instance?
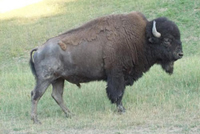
(31, 62)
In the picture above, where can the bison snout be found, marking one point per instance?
(180, 55)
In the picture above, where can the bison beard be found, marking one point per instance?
(117, 49)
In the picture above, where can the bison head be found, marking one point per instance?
(163, 38)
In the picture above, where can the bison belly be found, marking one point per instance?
(84, 62)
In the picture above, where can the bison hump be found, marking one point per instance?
(91, 30)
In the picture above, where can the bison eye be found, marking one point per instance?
(167, 41)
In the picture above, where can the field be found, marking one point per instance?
(156, 103)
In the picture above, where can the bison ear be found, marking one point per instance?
(150, 40)
(153, 40)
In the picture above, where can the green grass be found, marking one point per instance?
(156, 103)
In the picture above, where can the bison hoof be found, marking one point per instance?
(70, 115)
(36, 122)
(121, 109)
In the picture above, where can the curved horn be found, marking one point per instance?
(154, 30)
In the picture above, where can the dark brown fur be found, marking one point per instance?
(122, 33)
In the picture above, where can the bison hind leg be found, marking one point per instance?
(36, 94)
(57, 94)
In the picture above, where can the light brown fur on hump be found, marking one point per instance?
(62, 45)
(87, 32)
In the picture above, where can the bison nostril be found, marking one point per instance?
(180, 54)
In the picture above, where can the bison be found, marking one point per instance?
(116, 48)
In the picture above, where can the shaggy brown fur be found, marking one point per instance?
(123, 31)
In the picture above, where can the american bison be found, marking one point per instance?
(116, 48)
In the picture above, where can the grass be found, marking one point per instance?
(157, 103)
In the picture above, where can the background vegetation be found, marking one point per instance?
(157, 103)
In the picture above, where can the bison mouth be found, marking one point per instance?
(168, 67)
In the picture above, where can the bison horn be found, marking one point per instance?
(154, 30)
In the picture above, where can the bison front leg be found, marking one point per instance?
(57, 94)
(115, 89)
